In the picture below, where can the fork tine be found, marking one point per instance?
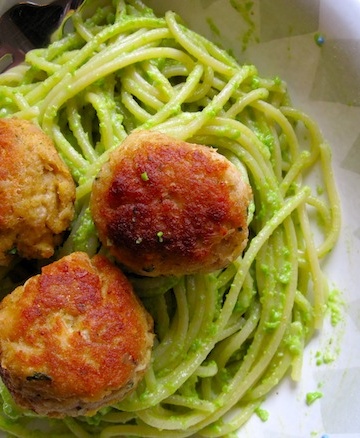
(27, 25)
(13, 44)
(11, 36)
(37, 23)
(6, 61)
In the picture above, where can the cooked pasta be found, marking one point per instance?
(225, 339)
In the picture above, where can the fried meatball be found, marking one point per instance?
(74, 338)
(37, 192)
(167, 207)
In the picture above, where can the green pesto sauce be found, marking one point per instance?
(324, 358)
(262, 414)
(332, 349)
(278, 81)
(311, 397)
(294, 339)
(285, 273)
(159, 236)
(320, 190)
(265, 268)
(335, 305)
(214, 29)
(245, 9)
(244, 300)
(196, 345)
(274, 319)
(255, 82)
(144, 176)
(273, 199)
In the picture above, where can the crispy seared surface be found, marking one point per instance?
(74, 338)
(168, 207)
(37, 192)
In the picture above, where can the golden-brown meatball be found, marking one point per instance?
(74, 338)
(37, 192)
(167, 207)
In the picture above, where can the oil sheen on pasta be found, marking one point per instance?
(224, 339)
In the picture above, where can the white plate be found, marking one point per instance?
(278, 36)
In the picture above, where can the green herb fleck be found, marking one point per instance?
(277, 80)
(335, 305)
(262, 414)
(274, 319)
(145, 176)
(313, 396)
(160, 236)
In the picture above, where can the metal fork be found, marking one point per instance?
(28, 25)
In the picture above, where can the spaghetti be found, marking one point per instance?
(224, 339)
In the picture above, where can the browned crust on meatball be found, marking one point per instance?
(167, 207)
(74, 338)
(37, 192)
